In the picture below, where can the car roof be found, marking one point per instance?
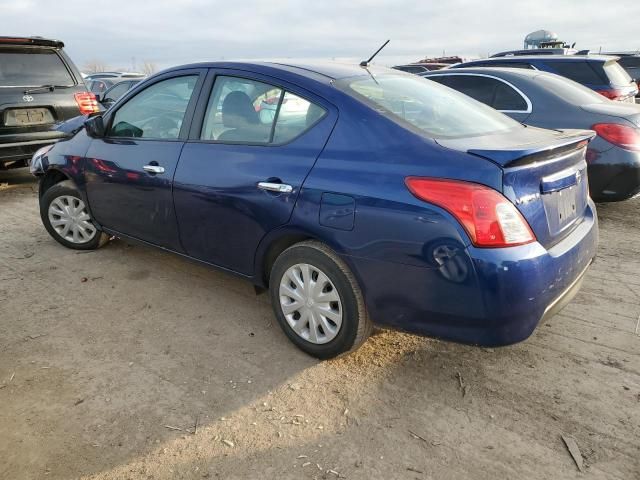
(502, 71)
(316, 70)
(32, 41)
(559, 58)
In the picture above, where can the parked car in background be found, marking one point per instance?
(385, 176)
(631, 63)
(598, 72)
(450, 60)
(113, 93)
(123, 75)
(39, 87)
(560, 50)
(546, 100)
(98, 86)
(418, 68)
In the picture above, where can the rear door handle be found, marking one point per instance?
(275, 187)
(153, 169)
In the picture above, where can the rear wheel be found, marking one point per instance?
(317, 301)
(66, 218)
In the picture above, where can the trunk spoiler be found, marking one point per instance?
(569, 141)
(523, 146)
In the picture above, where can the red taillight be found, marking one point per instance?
(620, 135)
(87, 103)
(488, 217)
(610, 94)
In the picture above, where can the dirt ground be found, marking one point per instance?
(131, 363)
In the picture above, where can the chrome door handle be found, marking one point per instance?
(275, 187)
(153, 169)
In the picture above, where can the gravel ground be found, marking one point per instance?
(129, 362)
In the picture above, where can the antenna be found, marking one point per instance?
(365, 63)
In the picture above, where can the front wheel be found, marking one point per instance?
(317, 301)
(66, 218)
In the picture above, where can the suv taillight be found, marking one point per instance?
(620, 135)
(489, 218)
(87, 103)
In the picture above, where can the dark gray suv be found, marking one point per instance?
(39, 87)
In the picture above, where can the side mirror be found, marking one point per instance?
(95, 126)
(99, 97)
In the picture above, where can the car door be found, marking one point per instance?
(252, 144)
(130, 170)
(491, 91)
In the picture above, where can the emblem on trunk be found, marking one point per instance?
(27, 98)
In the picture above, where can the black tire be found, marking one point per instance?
(356, 325)
(67, 188)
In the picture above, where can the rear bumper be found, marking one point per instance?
(614, 174)
(488, 297)
(22, 147)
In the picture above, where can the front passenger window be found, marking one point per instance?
(157, 112)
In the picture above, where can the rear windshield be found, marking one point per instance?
(587, 73)
(569, 90)
(616, 73)
(23, 67)
(425, 106)
(630, 61)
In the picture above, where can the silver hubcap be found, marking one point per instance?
(69, 218)
(310, 303)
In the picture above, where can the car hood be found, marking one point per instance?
(628, 111)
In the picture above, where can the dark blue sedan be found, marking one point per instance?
(354, 195)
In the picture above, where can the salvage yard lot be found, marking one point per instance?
(129, 362)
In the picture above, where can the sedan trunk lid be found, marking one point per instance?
(627, 111)
(544, 175)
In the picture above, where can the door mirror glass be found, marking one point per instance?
(95, 126)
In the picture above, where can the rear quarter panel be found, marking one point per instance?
(394, 236)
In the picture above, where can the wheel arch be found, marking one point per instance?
(52, 177)
(277, 242)
(271, 248)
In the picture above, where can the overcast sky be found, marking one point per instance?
(121, 33)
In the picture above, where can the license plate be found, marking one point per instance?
(20, 117)
(567, 203)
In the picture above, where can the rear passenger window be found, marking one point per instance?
(478, 88)
(294, 117)
(251, 112)
(506, 98)
(487, 90)
(581, 72)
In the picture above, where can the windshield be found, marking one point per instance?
(571, 91)
(432, 109)
(29, 67)
(616, 73)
